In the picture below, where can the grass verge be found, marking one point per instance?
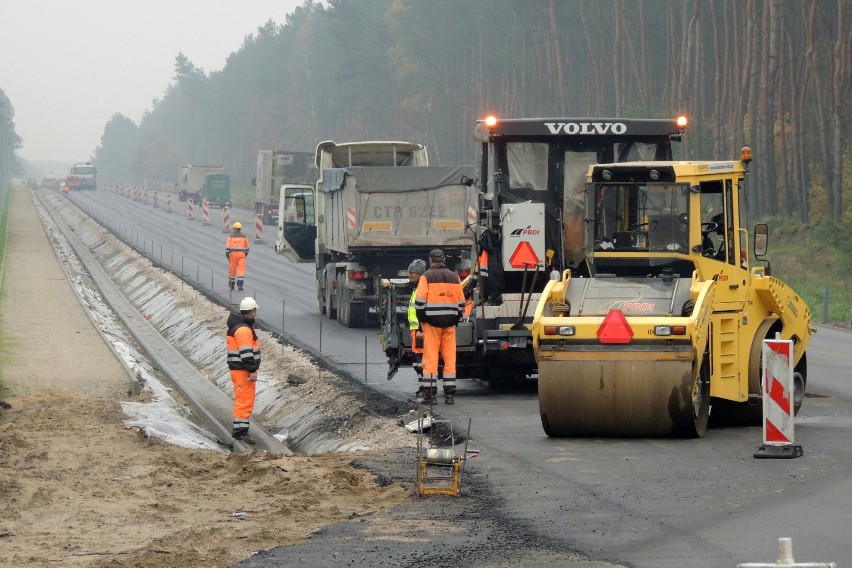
(4, 224)
(813, 258)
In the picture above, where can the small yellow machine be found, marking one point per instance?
(673, 317)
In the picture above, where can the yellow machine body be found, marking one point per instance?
(685, 313)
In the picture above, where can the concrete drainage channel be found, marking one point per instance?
(184, 339)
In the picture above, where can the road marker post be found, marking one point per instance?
(258, 228)
(778, 402)
(226, 219)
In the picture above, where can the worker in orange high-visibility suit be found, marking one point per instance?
(439, 303)
(243, 362)
(236, 250)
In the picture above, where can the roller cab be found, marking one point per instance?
(668, 326)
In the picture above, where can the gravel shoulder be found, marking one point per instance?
(78, 488)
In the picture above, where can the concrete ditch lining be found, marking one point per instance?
(211, 404)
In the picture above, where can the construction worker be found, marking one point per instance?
(243, 362)
(236, 250)
(415, 271)
(439, 304)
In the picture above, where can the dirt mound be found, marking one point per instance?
(79, 489)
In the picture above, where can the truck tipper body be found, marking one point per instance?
(373, 220)
(274, 169)
(191, 181)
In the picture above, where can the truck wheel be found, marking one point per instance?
(343, 304)
(329, 298)
(358, 314)
(321, 300)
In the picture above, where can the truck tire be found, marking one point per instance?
(343, 304)
(358, 314)
(329, 296)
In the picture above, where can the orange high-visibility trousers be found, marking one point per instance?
(237, 267)
(439, 340)
(244, 391)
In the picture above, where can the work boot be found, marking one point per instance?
(448, 399)
(242, 436)
(230, 285)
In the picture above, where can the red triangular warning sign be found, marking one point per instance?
(615, 328)
(524, 256)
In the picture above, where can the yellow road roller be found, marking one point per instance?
(670, 324)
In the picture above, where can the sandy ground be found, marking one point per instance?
(77, 488)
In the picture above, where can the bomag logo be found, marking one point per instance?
(526, 232)
(586, 127)
(638, 306)
(630, 306)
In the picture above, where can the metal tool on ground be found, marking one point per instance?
(439, 470)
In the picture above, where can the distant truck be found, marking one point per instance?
(191, 181)
(217, 190)
(274, 169)
(82, 175)
(374, 216)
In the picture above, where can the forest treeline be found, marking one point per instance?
(773, 75)
(10, 142)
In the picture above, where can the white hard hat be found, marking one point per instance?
(248, 304)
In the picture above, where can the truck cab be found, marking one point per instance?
(297, 229)
(82, 176)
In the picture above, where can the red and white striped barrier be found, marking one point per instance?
(156, 205)
(190, 209)
(778, 404)
(258, 228)
(226, 219)
(205, 213)
(168, 203)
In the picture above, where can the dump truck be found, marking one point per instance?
(671, 319)
(529, 223)
(274, 169)
(378, 206)
(82, 175)
(191, 181)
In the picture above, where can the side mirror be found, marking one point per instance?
(466, 181)
(254, 182)
(761, 240)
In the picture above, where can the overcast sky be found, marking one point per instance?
(68, 66)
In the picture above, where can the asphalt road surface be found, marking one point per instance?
(644, 503)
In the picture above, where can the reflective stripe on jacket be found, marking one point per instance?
(237, 243)
(243, 348)
(439, 298)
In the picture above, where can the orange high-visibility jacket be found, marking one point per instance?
(237, 243)
(243, 347)
(440, 300)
